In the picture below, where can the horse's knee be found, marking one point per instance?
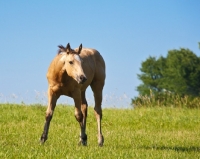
(48, 118)
(98, 112)
(79, 116)
(49, 115)
(84, 109)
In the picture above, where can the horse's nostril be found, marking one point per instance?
(83, 78)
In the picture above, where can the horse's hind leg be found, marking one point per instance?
(52, 98)
(97, 88)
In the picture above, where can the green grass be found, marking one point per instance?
(129, 133)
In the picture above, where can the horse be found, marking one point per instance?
(69, 74)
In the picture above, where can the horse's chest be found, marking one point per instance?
(66, 90)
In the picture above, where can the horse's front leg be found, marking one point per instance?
(84, 107)
(52, 98)
(80, 117)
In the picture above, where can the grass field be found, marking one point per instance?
(129, 133)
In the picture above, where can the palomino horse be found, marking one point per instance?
(70, 73)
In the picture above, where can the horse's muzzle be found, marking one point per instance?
(82, 79)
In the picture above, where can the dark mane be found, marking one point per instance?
(61, 49)
(73, 52)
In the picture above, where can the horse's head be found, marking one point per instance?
(73, 63)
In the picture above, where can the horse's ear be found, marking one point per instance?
(80, 48)
(61, 49)
(68, 48)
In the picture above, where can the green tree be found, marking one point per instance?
(151, 76)
(182, 72)
(178, 73)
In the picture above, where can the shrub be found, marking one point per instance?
(166, 99)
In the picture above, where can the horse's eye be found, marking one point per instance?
(71, 62)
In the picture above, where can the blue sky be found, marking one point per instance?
(124, 32)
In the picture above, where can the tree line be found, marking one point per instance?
(176, 74)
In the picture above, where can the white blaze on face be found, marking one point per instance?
(77, 58)
(78, 68)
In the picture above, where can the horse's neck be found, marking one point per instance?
(56, 69)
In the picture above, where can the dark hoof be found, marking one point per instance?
(43, 139)
(83, 141)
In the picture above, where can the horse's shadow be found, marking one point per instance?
(175, 148)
